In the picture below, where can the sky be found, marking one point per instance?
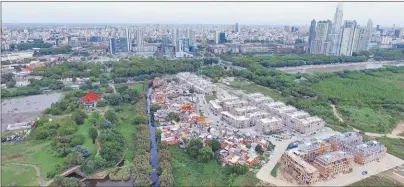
(265, 13)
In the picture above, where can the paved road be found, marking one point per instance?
(264, 173)
(41, 181)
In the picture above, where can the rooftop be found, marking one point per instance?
(329, 158)
(306, 166)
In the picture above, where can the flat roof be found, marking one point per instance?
(270, 120)
(234, 116)
(306, 166)
(331, 157)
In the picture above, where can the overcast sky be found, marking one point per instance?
(268, 13)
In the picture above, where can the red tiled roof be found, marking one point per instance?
(91, 97)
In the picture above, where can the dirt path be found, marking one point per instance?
(41, 181)
(97, 142)
(394, 134)
(398, 129)
(338, 115)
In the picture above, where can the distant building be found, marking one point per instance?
(347, 38)
(139, 40)
(397, 33)
(334, 163)
(236, 28)
(320, 41)
(222, 38)
(303, 172)
(312, 36)
(95, 39)
(112, 45)
(369, 152)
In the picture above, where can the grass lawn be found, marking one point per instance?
(377, 181)
(139, 87)
(394, 146)
(210, 97)
(88, 142)
(18, 175)
(188, 172)
(31, 152)
(127, 128)
(367, 119)
(274, 171)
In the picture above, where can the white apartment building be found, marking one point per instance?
(215, 107)
(255, 116)
(270, 107)
(244, 110)
(291, 118)
(284, 111)
(235, 121)
(269, 125)
(308, 125)
(257, 99)
(229, 105)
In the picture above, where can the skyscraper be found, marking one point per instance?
(129, 40)
(312, 35)
(236, 28)
(397, 33)
(365, 46)
(112, 45)
(335, 36)
(139, 40)
(217, 37)
(320, 42)
(175, 39)
(165, 45)
(222, 38)
(347, 38)
(191, 36)
(359, 40)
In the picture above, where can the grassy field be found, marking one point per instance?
(188, 172)
(250, 87)
(210, 97)
(127, 128)
(30, 152)
(274, 171)
(367, 101)
(18, 175)
(377, 181)
(394, 146)
(88, 142)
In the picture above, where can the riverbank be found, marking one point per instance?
(339, 67)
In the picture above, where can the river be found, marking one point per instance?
(153, 147)
(339, 67)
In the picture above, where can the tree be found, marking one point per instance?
(140, 119)
(11, 83)
(83, 150)
(173, 116)
(194, 146)
(74, 158)
(205, 154)
(101, 103)
(79, 116)
(111, 116)
(215, 145)
(77, 140)
(155, 107)
(93, 133)
(67, 181)
(258, 149)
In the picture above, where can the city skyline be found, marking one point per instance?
(263, 13)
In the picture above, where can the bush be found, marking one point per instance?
(83, 150)
(111, 116)
(79, 116)
(77, 140)
(101, 103)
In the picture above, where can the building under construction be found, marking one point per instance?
(311, 150)
(369, 152)
(345, 142)
(299, 169)
(334, 163)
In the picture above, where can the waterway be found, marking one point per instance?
(310, 69)
(153, 144)
(108, 183)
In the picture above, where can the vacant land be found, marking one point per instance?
(189, 172)
(18, 175)
(376, 180)
(127, 128)
(394, 146)
(88, 142)
(31, 152)
(369, 102)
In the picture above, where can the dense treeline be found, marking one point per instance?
(53, 51)
(26, 46)
(296, 60)
(148, 68)
(385, 54)
(214, 72)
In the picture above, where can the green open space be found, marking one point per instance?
(31, 152)
(18, 175)
(251, 87)
(394, 146)
(88, 142)
(376, 180)
(274, 171)
(188, 172)
(210, 97)
(127, 128)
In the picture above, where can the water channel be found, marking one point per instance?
(153, 147)
(339, 67)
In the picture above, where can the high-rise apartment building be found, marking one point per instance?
(191, 36)
(320, 42)
(335, 35)
(359, 43)
(217, 37)
(397, 33)
(222, 38)
(139, 40)
(312, 35)
(129, 39)
(112, 45)
(165, 45)
(347, 38)
(365, 46)
(176, 37)
(236, 28)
